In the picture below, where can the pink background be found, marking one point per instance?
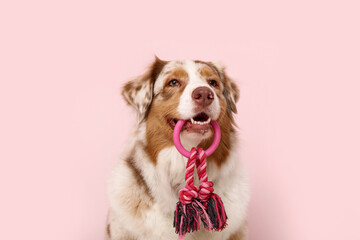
(63, 122)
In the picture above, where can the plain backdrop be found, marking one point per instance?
(63, 122)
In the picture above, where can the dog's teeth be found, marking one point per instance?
(200, 122)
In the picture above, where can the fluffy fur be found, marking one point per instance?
(143, 187)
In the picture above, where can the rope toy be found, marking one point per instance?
(198, 203)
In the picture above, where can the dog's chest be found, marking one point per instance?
(170, 171)
(171, 176)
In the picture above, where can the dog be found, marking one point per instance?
(143, 187)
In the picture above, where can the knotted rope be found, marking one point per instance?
(198, 203)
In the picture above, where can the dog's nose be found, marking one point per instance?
(203, 96)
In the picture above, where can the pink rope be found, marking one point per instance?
(190, 191)
(198, 202)
(206, 187)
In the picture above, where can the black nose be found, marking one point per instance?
(203, 96)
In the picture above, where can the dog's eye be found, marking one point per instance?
(174, 83)
(213, 83)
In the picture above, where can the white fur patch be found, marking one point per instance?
(139, 99)
(187, 106)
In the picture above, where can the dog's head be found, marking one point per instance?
(194, 91)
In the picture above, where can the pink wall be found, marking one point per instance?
(63, 122)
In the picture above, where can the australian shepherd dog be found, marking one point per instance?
(143, 187)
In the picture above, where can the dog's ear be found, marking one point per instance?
(139, 92)
(231, 91)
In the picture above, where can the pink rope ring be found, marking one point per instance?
(186, 153)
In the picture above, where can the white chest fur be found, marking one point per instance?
(164, 180)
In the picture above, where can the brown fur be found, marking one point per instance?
(225, 123)
(108, 231)
(139, 198)
(164, 105)
(224, 120)
(222, 152)
(137, 173)
(230, 87)
(209, 74)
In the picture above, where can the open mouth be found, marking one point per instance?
(199, 123)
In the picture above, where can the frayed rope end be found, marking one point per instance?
(186, 218)
(216, 213)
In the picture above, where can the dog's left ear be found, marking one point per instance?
(231, 91)
(139, 92)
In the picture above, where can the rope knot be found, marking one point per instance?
(188, 194)
(205, 190)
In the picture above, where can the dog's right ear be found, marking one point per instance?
(231, 91)
(139, 92)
